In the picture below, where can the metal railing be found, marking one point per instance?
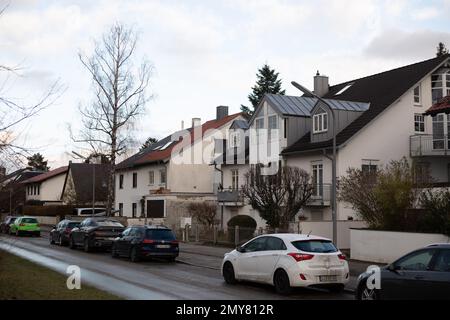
(429, 145)
(321, 195)
(230, 197)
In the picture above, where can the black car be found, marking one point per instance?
(422, 274)
(61, 232)
(95, 233)
(4, 226)
(140, 242)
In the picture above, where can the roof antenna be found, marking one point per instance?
(309, 233)
(318, 73)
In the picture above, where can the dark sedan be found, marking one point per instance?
(140, 242)
(60, 234)
(4, 226)
(95, 233)
(420, 275)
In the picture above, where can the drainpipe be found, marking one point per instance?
(221, 183)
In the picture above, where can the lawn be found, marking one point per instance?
(22, 279)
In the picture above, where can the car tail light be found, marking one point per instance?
(174, 242)
(300, 256)
(342, 257)
(148, 241)
(302, 276)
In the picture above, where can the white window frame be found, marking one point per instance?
(235, 179)
(416, 120)
(370, 163)
(269, 127)
(321, 125)
(419, 96)
(235, 140)
(163, 181)
(151, 178)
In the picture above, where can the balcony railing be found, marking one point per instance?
(321, 196)
(230, 197)
(429, 145)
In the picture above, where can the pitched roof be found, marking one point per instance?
(380, 90)
(82, 174)
(442, 106)
(162, 150)
(302, 106)
(47, 175)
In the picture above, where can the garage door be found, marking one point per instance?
(155, 208)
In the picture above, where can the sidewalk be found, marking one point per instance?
(211, 257)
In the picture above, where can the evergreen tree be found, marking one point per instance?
(267, 82)
(37, 162)
(148, 143)
(441, 50)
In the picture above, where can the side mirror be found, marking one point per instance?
(240, 249)
(393, 268)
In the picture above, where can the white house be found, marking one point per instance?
(159, 182)
(46, 188)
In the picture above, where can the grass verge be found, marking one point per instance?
(24, 280)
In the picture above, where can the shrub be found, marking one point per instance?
(436, 217)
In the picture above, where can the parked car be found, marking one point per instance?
(286, 261)
(95, 233)
(99, 212)
(421, 274)
(141, 242)
(61, 232)
(25, 225)
(6, 223)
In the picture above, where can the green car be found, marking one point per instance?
(25, 225)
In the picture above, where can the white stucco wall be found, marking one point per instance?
(50, 189)
(386, 246)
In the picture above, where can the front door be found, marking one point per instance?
(248, 260)
(268, 259)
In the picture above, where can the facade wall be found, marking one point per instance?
(50, 189)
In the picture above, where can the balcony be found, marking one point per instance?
(230, 198)
(429, 145)
(321, 196)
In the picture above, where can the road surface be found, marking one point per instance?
(148, 280)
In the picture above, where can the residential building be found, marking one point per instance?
(159, 182)
(46, 188)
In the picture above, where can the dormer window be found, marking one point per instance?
(418, 95)
(320, 122)
(235, 140)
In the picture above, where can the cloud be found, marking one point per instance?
(425, 13)
(399, 44)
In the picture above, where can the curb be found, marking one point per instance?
(195, 265)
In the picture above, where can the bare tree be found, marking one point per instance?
(204, 212)
(120, 96)
(279, 197)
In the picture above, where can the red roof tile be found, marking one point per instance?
(442, 106)
(47, 175)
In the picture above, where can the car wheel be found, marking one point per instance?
(51, 239)
(134, 255)
(72, 244)
(281, 282)
(114, 253)
(228, 273)
(60, 241)
(365, 293)
(86, 246)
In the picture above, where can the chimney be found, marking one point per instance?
(196, 122)
(221, 112)
(321, 85)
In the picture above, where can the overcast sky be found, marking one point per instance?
(206, 53)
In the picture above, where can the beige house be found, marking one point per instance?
(159, 182)
(46, 188)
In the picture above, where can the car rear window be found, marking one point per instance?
(108, 223)
(160, 234)
(73, 224)
(29, 220)
(317, 246)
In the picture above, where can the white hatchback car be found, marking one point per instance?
(286, 261)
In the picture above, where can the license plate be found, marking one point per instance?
(327, 278)
(163, 246)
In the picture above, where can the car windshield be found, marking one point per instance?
(108, 223)
(29, 220)
(73, 224)
(318, 246)
(160, 234)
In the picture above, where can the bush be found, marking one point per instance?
(49, 211)
(247, 227)
(436, 217)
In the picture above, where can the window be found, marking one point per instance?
(422, 172)
(438, 132)
(235, 139)
(256, 245)
(273, 125)
(155, 208)
(151, 178)
(344, 89)
(418, 95)
(39, 189)
(317, 179)
(315, 246)
(285, 127)
(34, 190)
(440, 84)
(120, 209)
(134, 210)
(121, 181)
(275, 244)
(134, 180)
(369, 166)
(259, 123)
(320, 123)
(163, 176)
(419, 123)
(442, 263)
(235, 179)
(416, 261)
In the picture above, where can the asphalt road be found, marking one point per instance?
(148, 280)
